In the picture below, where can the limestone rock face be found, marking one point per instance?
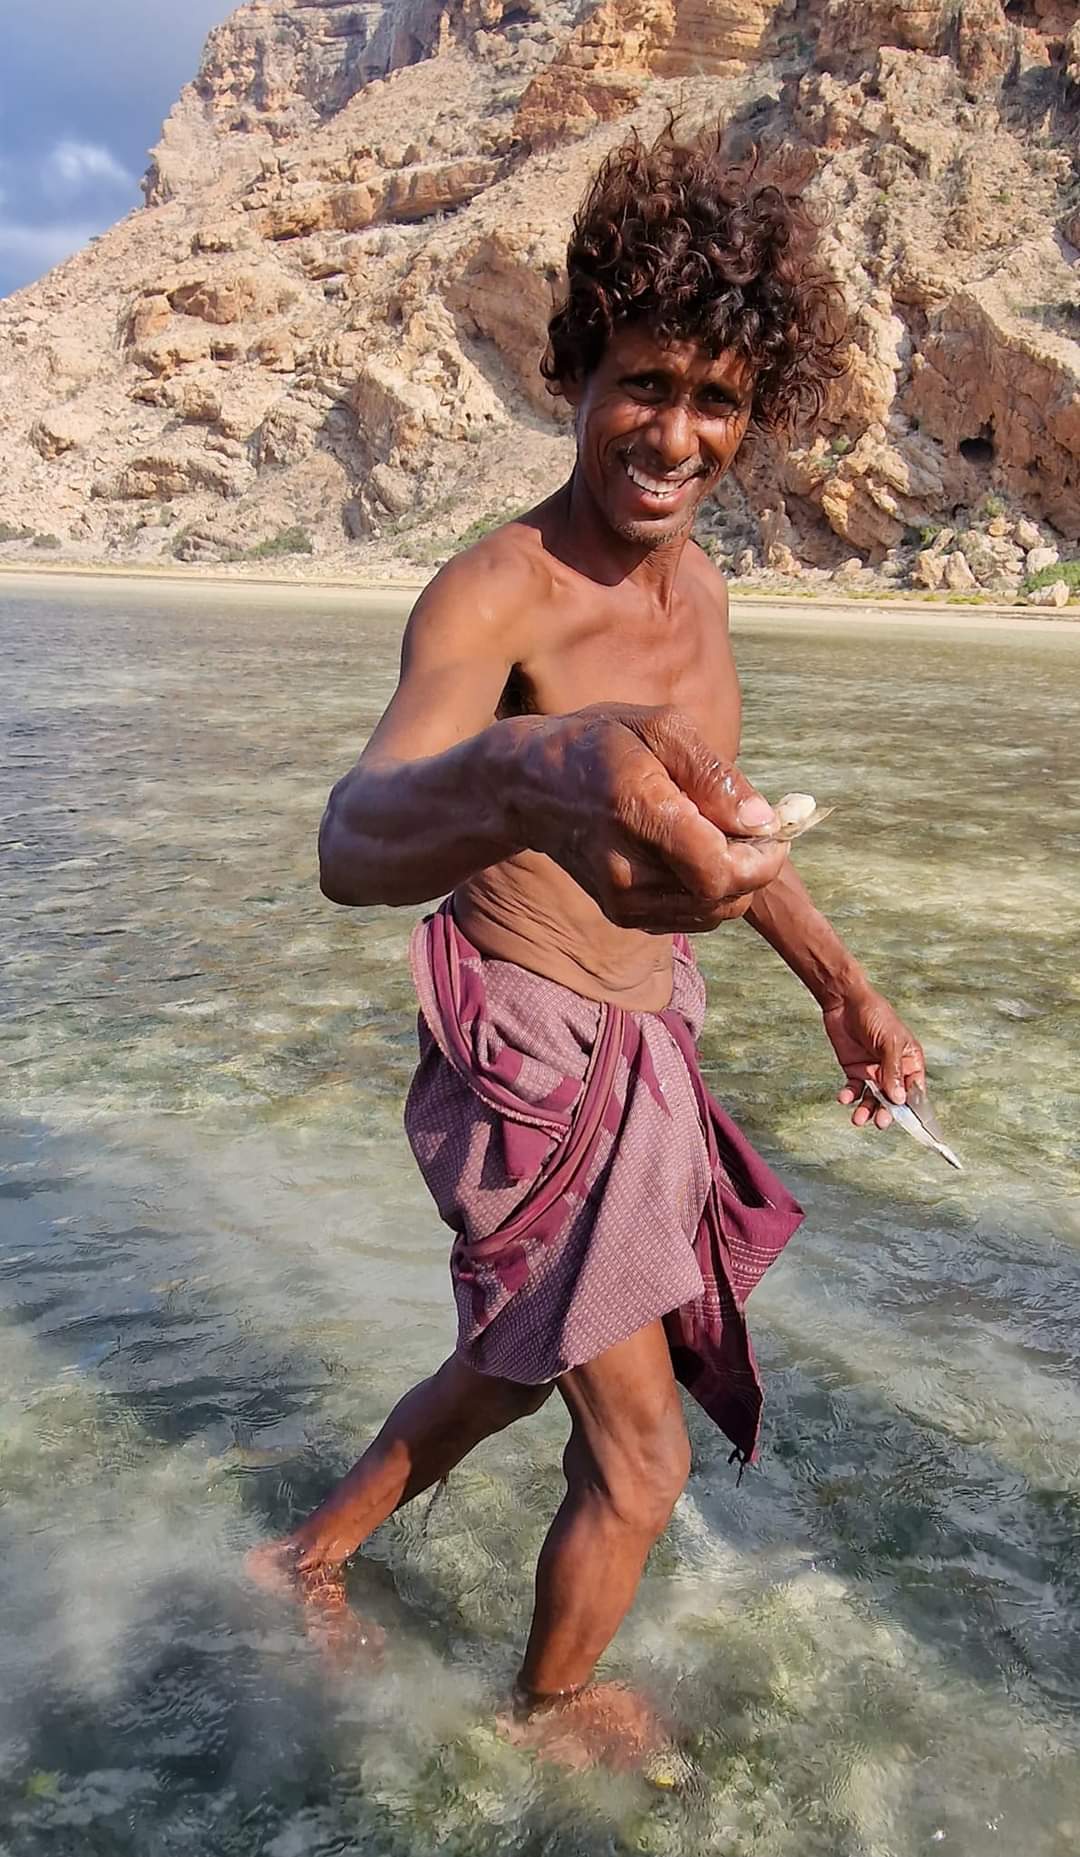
(330, 313)
(995, 378)
(604, 65)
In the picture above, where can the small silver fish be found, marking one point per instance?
(917, 1117)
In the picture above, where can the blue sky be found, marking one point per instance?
(84, 88)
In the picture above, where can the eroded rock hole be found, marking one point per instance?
(978, 450)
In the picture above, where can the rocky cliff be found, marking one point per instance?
(322, 329)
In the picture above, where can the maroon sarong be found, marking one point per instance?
(593, 1182)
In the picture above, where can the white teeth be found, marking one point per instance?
(656, 486)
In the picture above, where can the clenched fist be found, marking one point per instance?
(636, 807)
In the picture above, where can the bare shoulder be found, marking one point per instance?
(706, 584)
(490, 592)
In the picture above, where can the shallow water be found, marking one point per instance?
(217, 1269)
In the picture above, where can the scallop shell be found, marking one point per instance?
(795, 818)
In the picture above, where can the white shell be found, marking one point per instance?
(795, 808)
(795, 814)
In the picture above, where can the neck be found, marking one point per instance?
(592, 547)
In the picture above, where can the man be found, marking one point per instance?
(559, 755)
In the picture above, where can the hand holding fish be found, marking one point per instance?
(873, 1043)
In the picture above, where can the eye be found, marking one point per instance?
(645, 383)
(716, 400)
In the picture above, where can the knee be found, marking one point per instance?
(642, 1487)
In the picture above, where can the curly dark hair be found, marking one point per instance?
(678, 237)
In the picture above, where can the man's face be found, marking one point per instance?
(657, 427)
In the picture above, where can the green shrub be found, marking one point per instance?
(929, 532)
(45, 541)
(8, 533)
(992, 505)
(294, 541)
(483, 525)
(427, 550)
(1068, 571)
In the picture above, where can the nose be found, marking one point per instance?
(670, 435)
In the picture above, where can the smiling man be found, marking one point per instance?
(559, 756)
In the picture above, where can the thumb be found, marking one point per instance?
(719, 789)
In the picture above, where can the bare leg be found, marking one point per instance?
(626, 1462)
(428, 1432)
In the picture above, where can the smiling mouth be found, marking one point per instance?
(660, 489)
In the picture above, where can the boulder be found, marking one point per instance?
(195, 397)
(165, 473)
(232, 296)
(175, 348)
(149, 315)
(275, 350)
(286, 435)
(929, 569)
(1056, 594)
(979, 554)
(958, 575)
(417, 193)
(392, 489)
(1040, 558)
(392, 412)
(60, 430)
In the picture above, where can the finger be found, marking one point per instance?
(882, 1118)
(707, 863)
(754, 863)
(892, 1079)
(718, 788)
(914, 1065)
(855, 1091)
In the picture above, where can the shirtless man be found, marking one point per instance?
(559, 755)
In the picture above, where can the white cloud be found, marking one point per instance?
(73, 166)
(32, 250)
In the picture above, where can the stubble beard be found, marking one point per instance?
(654, 534)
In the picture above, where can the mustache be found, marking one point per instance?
(628, 456)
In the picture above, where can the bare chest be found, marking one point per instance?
(608, 656)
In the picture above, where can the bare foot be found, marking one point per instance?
(604, 1725)
(283, 1569)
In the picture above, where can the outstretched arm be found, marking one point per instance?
(869, 1039)
(629, 801)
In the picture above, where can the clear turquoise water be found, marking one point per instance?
(217, 1270)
